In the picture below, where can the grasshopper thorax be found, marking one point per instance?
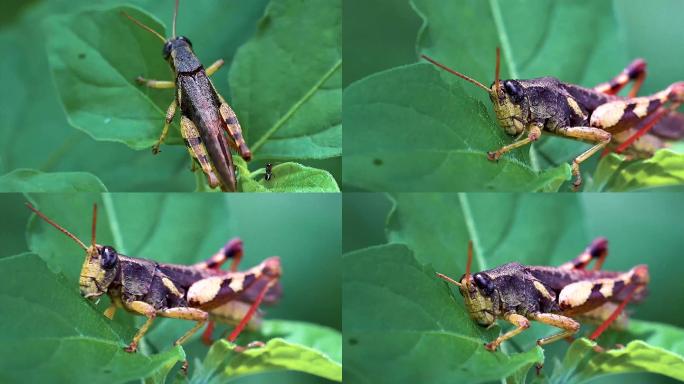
(509, 106)
(178, 52)
(99, 270)
(479, 294)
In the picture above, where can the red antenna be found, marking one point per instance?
(94, 223)
(470, 261)
(467, 273)
(496, 74)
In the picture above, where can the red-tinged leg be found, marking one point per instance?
(646, 128)
(597, 250)
(601, 328)
(236, 332)
(635, 71)
(207, 335)
(232, 250)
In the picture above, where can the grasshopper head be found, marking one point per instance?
(177, 49)
(479, 293)
(507, 97)
(508, 105)
(101, 264)
(99, 270)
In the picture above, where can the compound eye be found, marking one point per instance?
(166, 52)
(186, 40)
(108, 257)
(514, 90)
(484, 282)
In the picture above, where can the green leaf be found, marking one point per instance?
(287, 177)
(659, 349)
(96, 81)
(286, 82)
(615, 174)
(401, 137)
(46, 324)
(292, 346)
(21, 180)
(324, 339)
(402, 324)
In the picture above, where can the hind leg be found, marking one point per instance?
(635, 71)
(597, 250)
(197, 150)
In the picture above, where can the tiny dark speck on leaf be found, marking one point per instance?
(353, 341)
(107, 371)
(81, 55)
(377, 162)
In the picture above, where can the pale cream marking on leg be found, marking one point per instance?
(205, 290)
(608, 114)
(575, 294)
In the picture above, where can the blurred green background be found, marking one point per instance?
(641, 229)
(304, 230)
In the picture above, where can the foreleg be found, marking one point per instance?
(145, 309)
(533, 135)
(521, 323)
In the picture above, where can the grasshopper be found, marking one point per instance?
(204, 112)
(551, 295)
(201, 292)
(526, 108)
